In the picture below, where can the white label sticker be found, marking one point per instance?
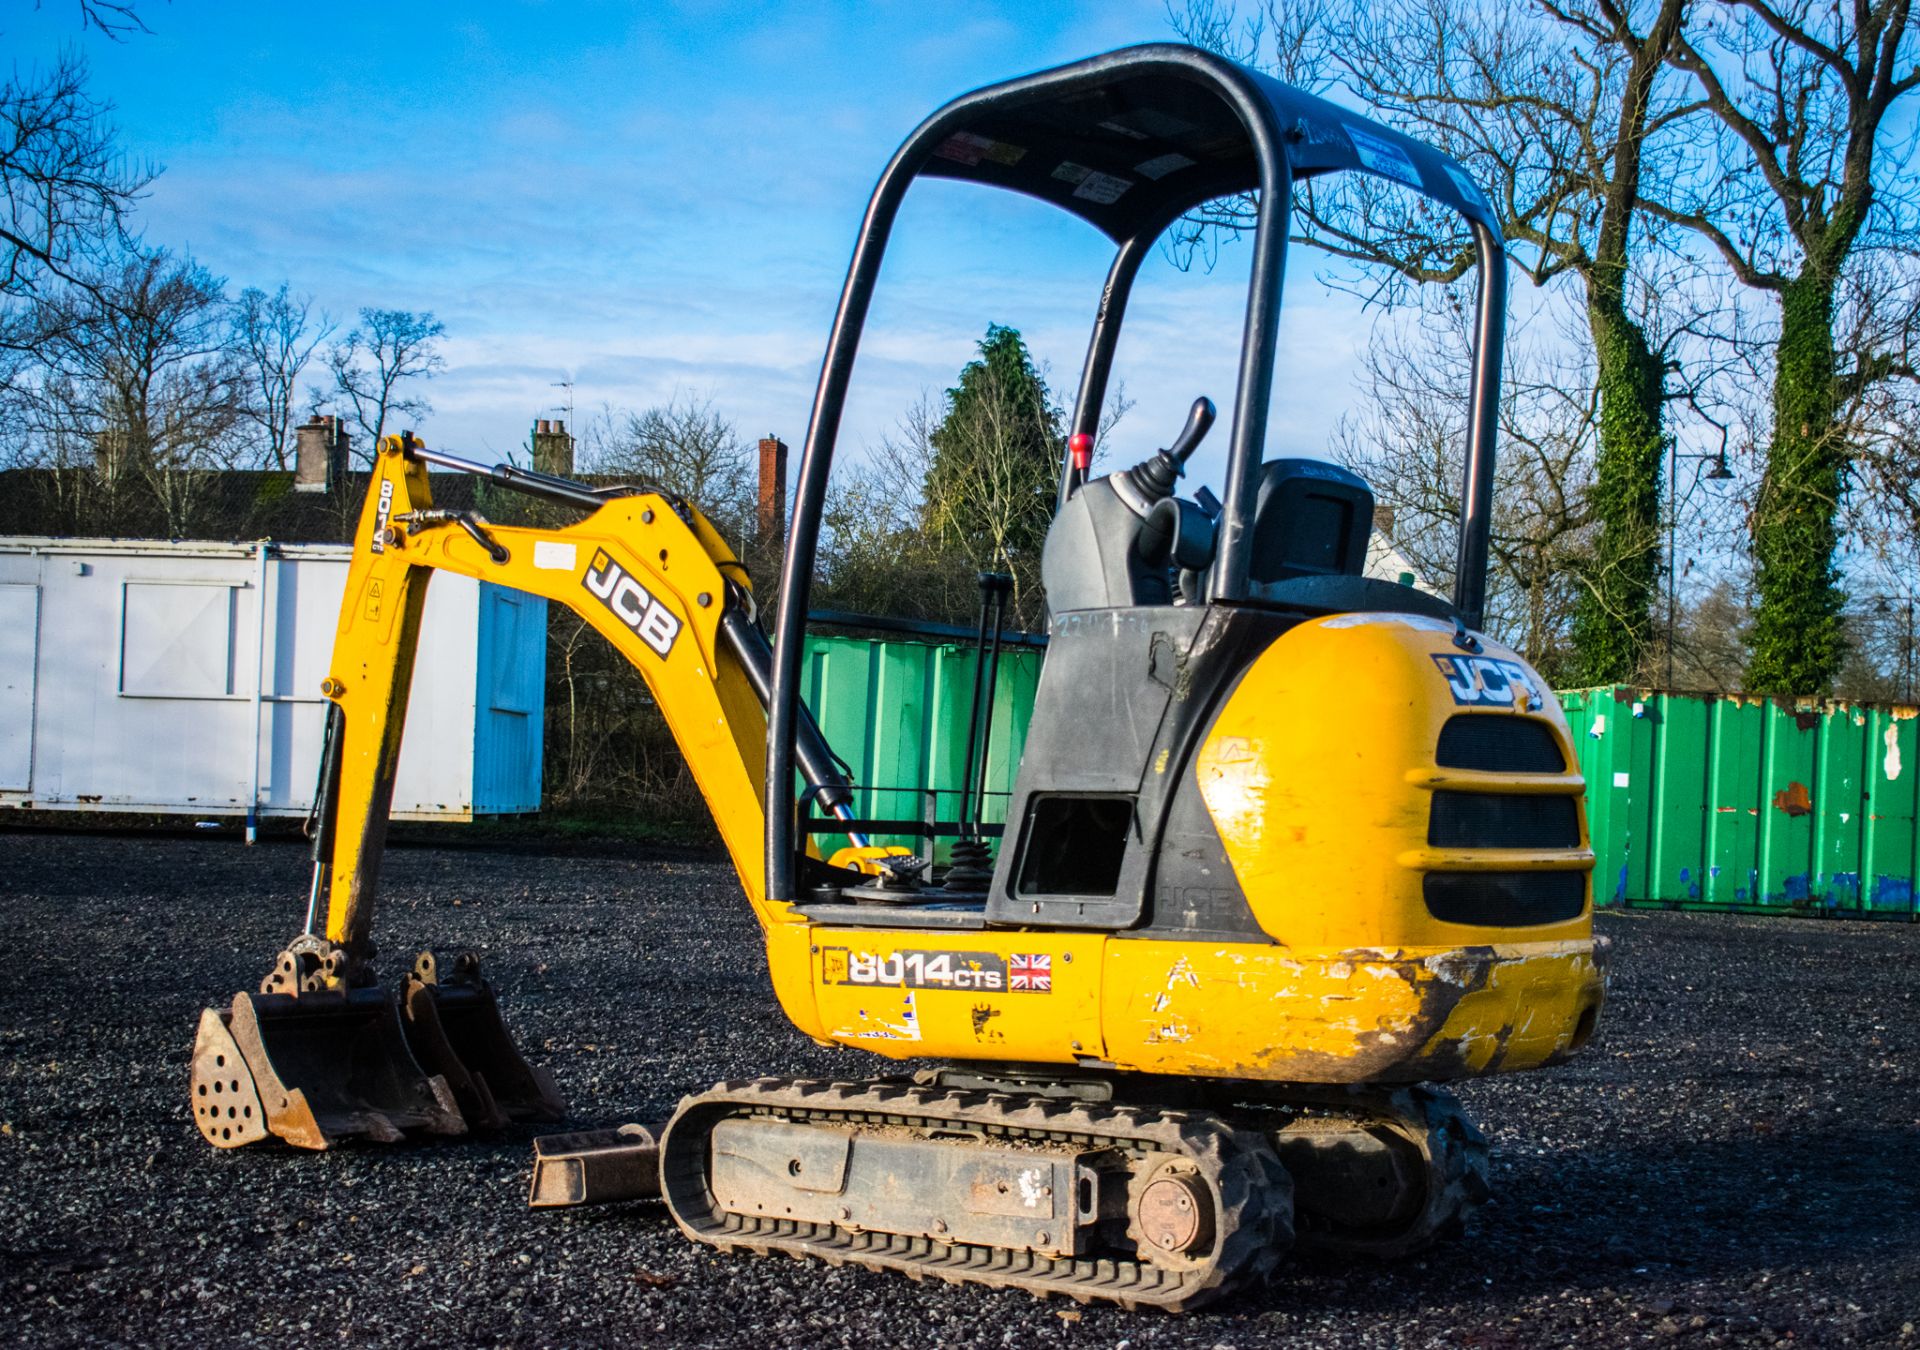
(1069, 172)
(1469, 189)
(553, 557)
(1620, 780)
(963, 147)
(1384, 157)
(1157, 169)
(1103, 188)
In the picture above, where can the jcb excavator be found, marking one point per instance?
(1287, 844)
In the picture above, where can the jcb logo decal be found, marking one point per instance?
(1487, 680)
(613, 586)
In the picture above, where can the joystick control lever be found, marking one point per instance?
(1152, 480)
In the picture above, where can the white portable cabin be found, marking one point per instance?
(141, 676)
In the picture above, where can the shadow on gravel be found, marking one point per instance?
(1726, 1206)
(1713, 1209)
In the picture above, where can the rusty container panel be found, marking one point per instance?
(1890, 842)
(1789, 756)
(1757, 805)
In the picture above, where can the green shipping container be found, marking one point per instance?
(897, 713)
(1733, 802)
(1695, 801)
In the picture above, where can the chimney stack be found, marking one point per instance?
(109, 454)
(320, 454)
(552, 448)
(773, 487)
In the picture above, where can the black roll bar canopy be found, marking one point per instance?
(1129, 142)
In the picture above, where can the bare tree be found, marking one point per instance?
(1556, 107)
(684, 448)
(111, 18)
(65, 188)
(133, 369)
(275, 336)
(1405, 441)
(375, 366)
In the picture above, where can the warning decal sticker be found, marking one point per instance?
(1384, 157)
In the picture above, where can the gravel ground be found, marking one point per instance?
(1732, 1160)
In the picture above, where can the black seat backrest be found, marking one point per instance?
(1310, 519)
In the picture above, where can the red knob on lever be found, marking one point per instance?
(1080, 445)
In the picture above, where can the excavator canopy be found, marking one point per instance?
(1133, 139)
(1130, 142)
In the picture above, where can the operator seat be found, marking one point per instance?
(1311, 524)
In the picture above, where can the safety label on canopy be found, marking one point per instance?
(1384, 157)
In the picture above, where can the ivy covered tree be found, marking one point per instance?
(1813, 150)
(1558, 110)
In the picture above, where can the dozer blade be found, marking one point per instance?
(315, 1069)
(456, 1031)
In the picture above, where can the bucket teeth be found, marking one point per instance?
(456, 1031)
(315, 1061)
(323, 1067)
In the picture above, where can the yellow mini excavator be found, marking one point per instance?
(1287, 845)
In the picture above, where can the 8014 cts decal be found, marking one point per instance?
(631, 603)
(975, 972)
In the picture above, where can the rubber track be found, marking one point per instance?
(1254, 1223)
(1430, 1122)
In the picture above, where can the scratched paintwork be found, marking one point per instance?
(1357, 1015)
(1318, 775)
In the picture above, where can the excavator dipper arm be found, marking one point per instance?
(323, 1051)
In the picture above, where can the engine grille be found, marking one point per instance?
(1505, 899)
(1499, 743)
(1483, 820)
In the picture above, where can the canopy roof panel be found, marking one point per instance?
(1135, 138)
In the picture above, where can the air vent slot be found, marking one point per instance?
(1484, 820)
(1499, 743)
(1505, 899)
(1073, 845)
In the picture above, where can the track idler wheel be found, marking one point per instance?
(1382, 1174)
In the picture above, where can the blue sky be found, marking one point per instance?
(656, 200)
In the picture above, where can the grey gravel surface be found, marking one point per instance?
(1733, 1160)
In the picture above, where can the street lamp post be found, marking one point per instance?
(1906, 658)
(1885, 606)
(1720, 473)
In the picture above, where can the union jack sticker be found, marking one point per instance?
(1031, 973)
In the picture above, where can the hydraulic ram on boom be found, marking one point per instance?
(324, 1051)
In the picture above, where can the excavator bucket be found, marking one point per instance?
(456, 1032)
(314, 1067)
